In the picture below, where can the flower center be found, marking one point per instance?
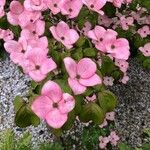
(55, 5)
(37, 67)
(70, 10)
(101, 39)
(112, 46)
(78, 77)
(55, 105)
(23, 51)
(63, 38)
(92, 6)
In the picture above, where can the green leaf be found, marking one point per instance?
(146, 63)
(24, 143)
(107, 100)
(92, 111)
(25, 117)
(48, 146)
(64, 85)
(80, 41)
(70, 121)
(89, 52)
(147, 132)
(77, 54)
(18, 103)
(123, 146)
(108, 66)
(78, 103)
(146, 147)
(7, 140)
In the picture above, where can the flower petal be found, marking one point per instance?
(67, 103)
(52, 90)
(86, 68)
(76, 87)
(48, 65)
(41, 106)
(70, 66)
(94, 80)
(55, 119)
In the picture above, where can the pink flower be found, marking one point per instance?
(114, 138)
(104, 20)
(104, 124)
(95, 5)
(144, 31)
(126, 22)
(145, 50)
(119, 48)
(122, 64)
(110, 116)
(64, 34)
(91, 98)
(81, 74)
(108, 81)
(103, 142)
(86, 28)
(53, 105)
(16, 8)
(37, 65)
(27, 17)
(100, 37)
(118, 3)
(37, 5)
(71, 8)
(34, 30)
(54, 6)
(125, 79)
(6, 35)
(2, 4)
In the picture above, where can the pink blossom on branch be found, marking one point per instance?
(64, 34)
(53, 105)
(81, 74)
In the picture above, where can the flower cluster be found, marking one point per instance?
(113, 138)
(73, 50)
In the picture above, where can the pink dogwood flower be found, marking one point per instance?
(103, 142)
(54, 6)
(16, 8)
(6, 35)
(95, 5)
(100, 37)
(53, 105)
(108, 81)
(2, 4)
(144, 31)
(35, 5)
(145, 50)
(71, 8)
(113, 138)
(126, 22)
(104, 124)
(119, 48)
(110, 116)
(81, 74)
(122, 64)
(37, 64)
(64, 34)
(125, 79)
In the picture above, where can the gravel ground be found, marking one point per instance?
(12, 83)
(133, 111)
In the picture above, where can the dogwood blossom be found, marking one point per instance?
(81, 74)
(64, 34)
(53, 105)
